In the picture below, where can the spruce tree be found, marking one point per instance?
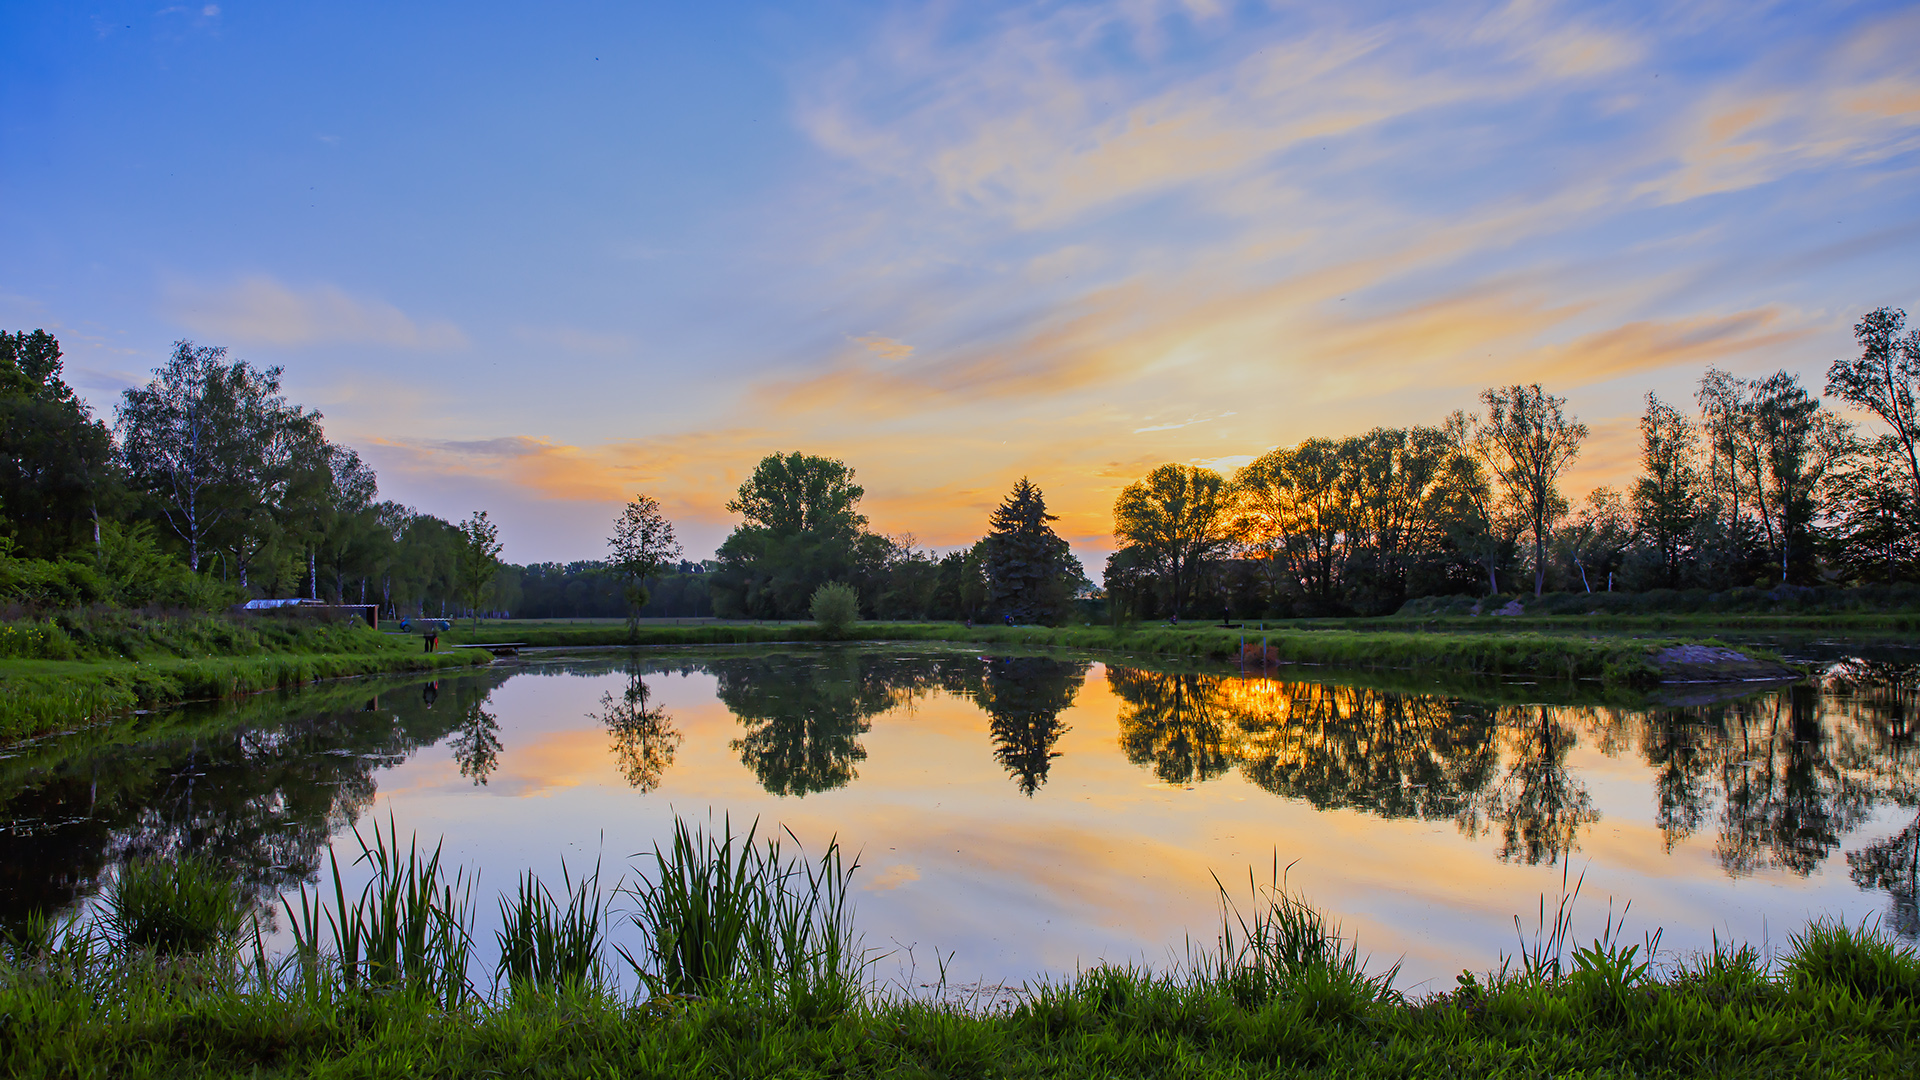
(1031, 573)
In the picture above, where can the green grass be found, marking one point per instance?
(1281, 993)
(90, 666)
(39, 696)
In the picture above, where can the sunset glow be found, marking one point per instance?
(535, 260)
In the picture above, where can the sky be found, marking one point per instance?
(535, 259)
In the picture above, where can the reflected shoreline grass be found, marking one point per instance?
(1612, 661)
(41, 697)
(1282, 991)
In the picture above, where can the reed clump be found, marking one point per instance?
(548, 946)
(173, 907)
(410, 929)
(724, 916)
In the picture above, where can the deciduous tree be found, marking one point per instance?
(642, 545)
(479, 560)
(1526, 441)
(55, 458)
(1881, 380)
(1177, 516)
(1666, 497)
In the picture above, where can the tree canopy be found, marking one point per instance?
(58, 460)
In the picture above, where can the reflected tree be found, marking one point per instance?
(804, 715)
(1350, 747)
(1893, 865)
(1023, 697)
(1679, 751)
(644, 739)
(258, 786)
(1539, 806)
(1177, 723)
(476, 742)
(1787, 803)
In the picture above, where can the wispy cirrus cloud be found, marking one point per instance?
(260, 309)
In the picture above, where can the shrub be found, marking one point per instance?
(834, 608)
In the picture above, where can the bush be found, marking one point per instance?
(834, 608)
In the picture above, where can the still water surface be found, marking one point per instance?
(1033, 814)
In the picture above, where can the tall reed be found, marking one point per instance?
(1283, 948)
(723, 915)
(411, 928)
(545, 946)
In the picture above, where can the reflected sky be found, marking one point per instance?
(1034, 814)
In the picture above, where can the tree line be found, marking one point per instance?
(1763, 485)
(209, 487)
(802, 531)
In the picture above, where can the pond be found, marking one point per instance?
(1025, 815)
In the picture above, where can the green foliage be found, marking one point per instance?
(479, 560)
(1287, 949)
(410, 929)
(1526, 441)
(56, 471)
(46, 583)
(801, 530)
(1283, 995)
(174, 906)
(1667, 497)
(91, 664)
(642, 545)
(1177, 518)
(834, 608)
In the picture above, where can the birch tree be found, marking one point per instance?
(1527, 440)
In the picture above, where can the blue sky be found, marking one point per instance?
(536, 258)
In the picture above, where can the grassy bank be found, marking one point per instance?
(751, 967)
(77, 668)
(1612, 661)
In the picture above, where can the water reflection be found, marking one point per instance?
(1772, 782)
(1023, 697)
(259, 788)
(1538, 805)
(804, 714)
(476, 739)
(1781, 777)
(1893, 866)
(644, 739)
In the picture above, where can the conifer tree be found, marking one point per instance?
(1031, 573)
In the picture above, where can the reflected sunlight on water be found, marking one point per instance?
(1035, 814)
